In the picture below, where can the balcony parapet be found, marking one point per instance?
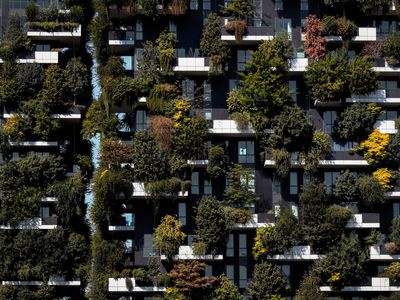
(140, 192)
(120, 285)
(378, 284)
(38, 283)
(192, 65)
(269, 163)
(34, 223)
(187, 253)
(297, 253)
(366, 220)
(257, 221)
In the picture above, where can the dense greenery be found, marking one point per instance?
(168, 236)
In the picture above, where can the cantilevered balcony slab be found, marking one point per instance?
(60, 35)
(365, 34)
(386, 126)
(385, 69)
(252, 36)
(119, 285)
(34, 223)
(39, 57)
(378, 284)
(71, 116)
(269, 163)
(198, 162)
(298, 65)
(186, 253)
(192, 66)
(254, 223)
(121, 228)
(230, 128)
(34, 144)
(377, 253)
(140, 192)
(393, 194)
(38, 283)
(49, 199)
(121, 41)
(297, 253)
(366, 220)
(381, 97)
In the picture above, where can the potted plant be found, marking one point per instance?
(238, 11)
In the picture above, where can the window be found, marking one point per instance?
(346, 147)
(293, 90)
(243, 245)
(329, 120)
(303, 4)
(207, 187)
(172, 28)
(42, 47)
(45, 212)
(306, 178)
(206, 4)
(190, 238)
(138, 55)
(188, 88)
(123, 118)
(284, 25)
(230, 246)
(230, 272)
(246, 152)
(194, 5)
(385, 27)
(396, 210)
(243, 56)
(195, 183)
(285, 270)
(182, 213)
(330, 181)
(18, 4)
(129, 219)
(128, 246)
(207, 94)
(294, 189)
(148, 249)
(242, 277)
(208, 271)
(208, 114)
(139, 30)
(228, 181)
(278, 4)
(388, 115)
(141, 120)
(276, 189)
(127, 62)
(226, 2)
(387, 85)
(233, 83)
(257, 20)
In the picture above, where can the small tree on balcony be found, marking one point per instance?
(242, 189)
(217, 162)
(375, 148)
(53, 93)
(162, 129)
(309, 288)
(148, 67)
(226, 290)
(391, 48)
(77, 81)
(165, 47)
(361, 77)
(113, 153)
(370, 190)
(346, 189)
(239, 11)
(168, 236)
(314, 43)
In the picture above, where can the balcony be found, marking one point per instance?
(386, 126)
(119, 285)
(257, 221)
(121, 40)
(377, 252)
(38, 283)
(365, 34)
(192, 66)
(34, 144)
(186, 253)
(229, 127)
(383, 67)
(376, 284)
(253, 35)
(71, 116)
(298, 65)
(45, 223)
(60, 34)
(49, 199)
(367, 220)
(140, 192)
(198, 163)
(297, 253)
(269, 163)
(121, 228)
(383, 97)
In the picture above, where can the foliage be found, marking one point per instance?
(375, 148)
(339, 26)
(53, 93)
(179, 111)
(356, 122)
(141, 276)
(147, 65)
(168, 236)
(395, 231)
(320, 147)
(98, 121)
(14, 41)
(173, 293)
(309, 289)
(165, 47)
(264, 242)
(370, 191)
(239, 9)
(160, 96)
(162, 129)
(211, 225)
(241, 189)
(343, 265)
(236, 215)
(346, 188)
(9, 85)
(114, 153)
(99, 29)
(189, 140)
(217, 162)
(383, 176)
(14, 127)
(314, 43)
(30, 79)
(242, 119)
(267, 282)
(188, 278)
(391, 48)
(146, 151)
(164, 187)
(393, 272)
(226, 290)
(238, 27)
(362, 79)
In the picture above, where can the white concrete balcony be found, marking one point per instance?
(55, 35)
(34, 223)
(379, 96)
(269, 163)
(140, 192)
(49, 199)
(247, 39)
(34, 144)
(186, 253)
(198, 163)
(254, 223)
(297, 253)
(378, 284)
(375, 253)
(364, 221)
(192, 66)
(298, 65)
(38, 283)
(121, 228)
(386, 126)
(387, 69)
(119, 285)
(229, 127)
(393, 194)
(53, 116)
(365, 34)
(40, 57)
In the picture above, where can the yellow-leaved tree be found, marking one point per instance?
(375, 148)
(384, 176)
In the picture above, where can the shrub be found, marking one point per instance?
(168, 236)
(53, 93)
(164, 187)
(384, 177)
(287, 230)
(238, 27)
(372, 49)
(162, 129)
(165, 46)
(339, 26)
(309, 288)
(375, 148)
(393, 272)
(362, 79)
(114, 152)
(159, 97)
(391, 48)
(370, 190)
(242, 120)
(236, 215)
(320, 147)
(126, 90)
(241, 189)
(239, 9)
(179, 111)
(391, 248)
(264, 242)
(346, 188)
(148, 67)
(283, 162)
(141, 276)
(31, 11)
(314, 43)
(395, 231)
(217, 162)
(226, 290)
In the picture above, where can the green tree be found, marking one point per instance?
(30, 79)
(395, 231)
(217, 162)
(226, 290)
(309, 289)
(148, 67)
(14, 41)
(267, 283)
(346, 188)
(76, 79)
(241, 190)
(391, 48)
(362, 79)
(168, 236)
(53, 93)
(287, 230)
(239, 9)
(165, 47)
(370, 190)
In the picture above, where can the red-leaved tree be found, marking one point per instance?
(314, 42)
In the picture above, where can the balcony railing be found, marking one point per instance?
(257, 221)
(120, 285)
(187, 253)
(253, 35)
(35, 223)
(378, 252)
(121, 37)
(140, 192)
(192, 65)
(365, 34)
(297, 253)
(374, 284)
(366, 220)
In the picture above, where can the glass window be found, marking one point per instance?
(329, 120)
(233, 83)
(228, 181)
(243, 245)
(208, 271)
(242, 277)
(141, 120)
(148, 249)
(248, 180)
(389, 115)
(195, 183)
(190, 238)
(194, 5)
(257, 20)
(45, 212)
(138, 55)
(283, 25)
(293, 90)
(346, 147)
(278, 4)
(128, 246)
(230, 272)
(243, 56)
(330, 181)
(207, 114)
(188, 88)
(303, 4)
(127, 62)
(230, 246)
(173, 28)
(207, 93)
(139, 30)
(276, 188)
(207, 187)
(182, 213)
(246, 152)
(388, 85)
(294, 189)
(396, 210)
(42, 47)
(19, 4)
(306, 178)
(129, 219)
(206, 4)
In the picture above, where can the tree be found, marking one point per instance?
(309, 289)
(362, 79)
(395, 231)
(287, 230)
(226, 290)
(53, 93)
(211, 225)
(9, 85)
(165, 47)
(267, 282)
(320, 147)
(375, 148)
(126, 90)
(146, 151)
(148, 67)
(113, 153)
(384, 177)
(370, 190)
(162, 129)
(393, 272)
(14, 41)
(356, 122)
(391, 48)
(30, 79)
(314, 43)
(168, 236)
(241, 190)
(217, 162)
(76, 79)
(346, 188)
